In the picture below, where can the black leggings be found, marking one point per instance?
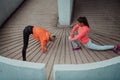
(26, 32)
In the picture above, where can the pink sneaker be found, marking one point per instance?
(76, 48)
(117, 49)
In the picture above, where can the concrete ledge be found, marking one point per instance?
(20, 70)
(104, 70)
(7, 7)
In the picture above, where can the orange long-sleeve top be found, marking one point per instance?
(82, 33)
(41, 35)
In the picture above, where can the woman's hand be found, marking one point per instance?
(72, 35)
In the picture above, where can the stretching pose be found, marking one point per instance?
(39, 34)
(83, 28)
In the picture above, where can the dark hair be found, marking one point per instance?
(83, 20)
(51, 38)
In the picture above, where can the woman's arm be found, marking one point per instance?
(73, 30)
(81, 34)
(43, 46)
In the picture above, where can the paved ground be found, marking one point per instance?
(103, 17)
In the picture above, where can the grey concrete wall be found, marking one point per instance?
(21, 70)
(104, 70)
(7, 7)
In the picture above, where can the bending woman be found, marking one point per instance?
(83, 28)
(39, 34)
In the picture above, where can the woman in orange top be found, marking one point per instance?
(82, 27)
(39, 34)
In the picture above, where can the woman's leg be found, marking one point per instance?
(26, 32)
(75, 44)
(99, 47)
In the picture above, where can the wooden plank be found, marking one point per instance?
(108, 35)
(57, 57)
(87, 55)
(82, 55)
(10, 45)
(72, 55)
(12, 52)
(62, 56)
(10, 48)
(51, 60)
(67, 53)
(9, 39)
(31, 52)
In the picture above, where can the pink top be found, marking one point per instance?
(82, 34)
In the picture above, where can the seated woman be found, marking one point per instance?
(83, 28)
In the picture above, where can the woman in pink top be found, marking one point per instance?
(82, 28)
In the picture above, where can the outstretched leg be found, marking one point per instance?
(99, 47)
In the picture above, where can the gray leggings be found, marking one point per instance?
(98, 47)
(91, 45)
